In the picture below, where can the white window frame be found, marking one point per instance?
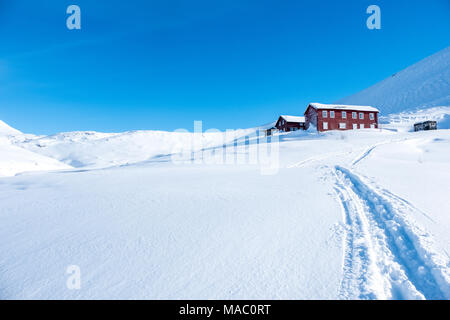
(342, 125)
(361, 116)
(371, 116)
(332, 114)
(372, 126)
(361, 126)
(354, 115)
(325, 125)
(344, 114)
(324, 114)
(355, 126)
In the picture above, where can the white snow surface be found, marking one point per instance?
(349, 215)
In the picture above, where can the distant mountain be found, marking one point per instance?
(6, 129)
(14, 159)
(422, 85)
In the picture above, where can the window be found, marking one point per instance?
(342, 125)
(325, 125)
(355, 126)
(354, 115)
(324, 113)
(371, 117)
(344, 114)
(361, 126)
(361, 115)
(331, 114)
(372, 126)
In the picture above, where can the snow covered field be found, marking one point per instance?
(358, 214)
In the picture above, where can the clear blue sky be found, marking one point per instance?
(161, 64)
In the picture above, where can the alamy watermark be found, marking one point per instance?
(374, 20)
(73, 22)
(231, 147)
(73, 282)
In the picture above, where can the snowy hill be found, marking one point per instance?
(90, 149)
(14, 159)
(100, 150)
(422, 85)
(6, 129)
(404, 121)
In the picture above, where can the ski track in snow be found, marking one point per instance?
(385, 255)
(369, 150)
(310, 160)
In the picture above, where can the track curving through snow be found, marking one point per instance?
(386, 256)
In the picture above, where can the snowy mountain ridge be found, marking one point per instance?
(5, 129)
(422, 85)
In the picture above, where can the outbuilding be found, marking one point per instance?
(290, 123)
(426, 125)
(327, 117)
(268, 132)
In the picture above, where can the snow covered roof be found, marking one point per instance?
(319, 106)
(293, 119)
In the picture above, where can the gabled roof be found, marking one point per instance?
(294, 119)
(320, 106)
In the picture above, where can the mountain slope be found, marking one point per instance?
(6, 129)
(14, 159)
(422, 85)
(99, 150)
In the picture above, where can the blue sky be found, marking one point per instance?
(230, 63)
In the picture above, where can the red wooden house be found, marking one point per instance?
(327, 117)
(290, 123)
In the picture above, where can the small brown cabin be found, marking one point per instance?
(270, 131)
(290, 123)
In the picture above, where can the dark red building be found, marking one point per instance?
(290, 123)
(327, 117)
